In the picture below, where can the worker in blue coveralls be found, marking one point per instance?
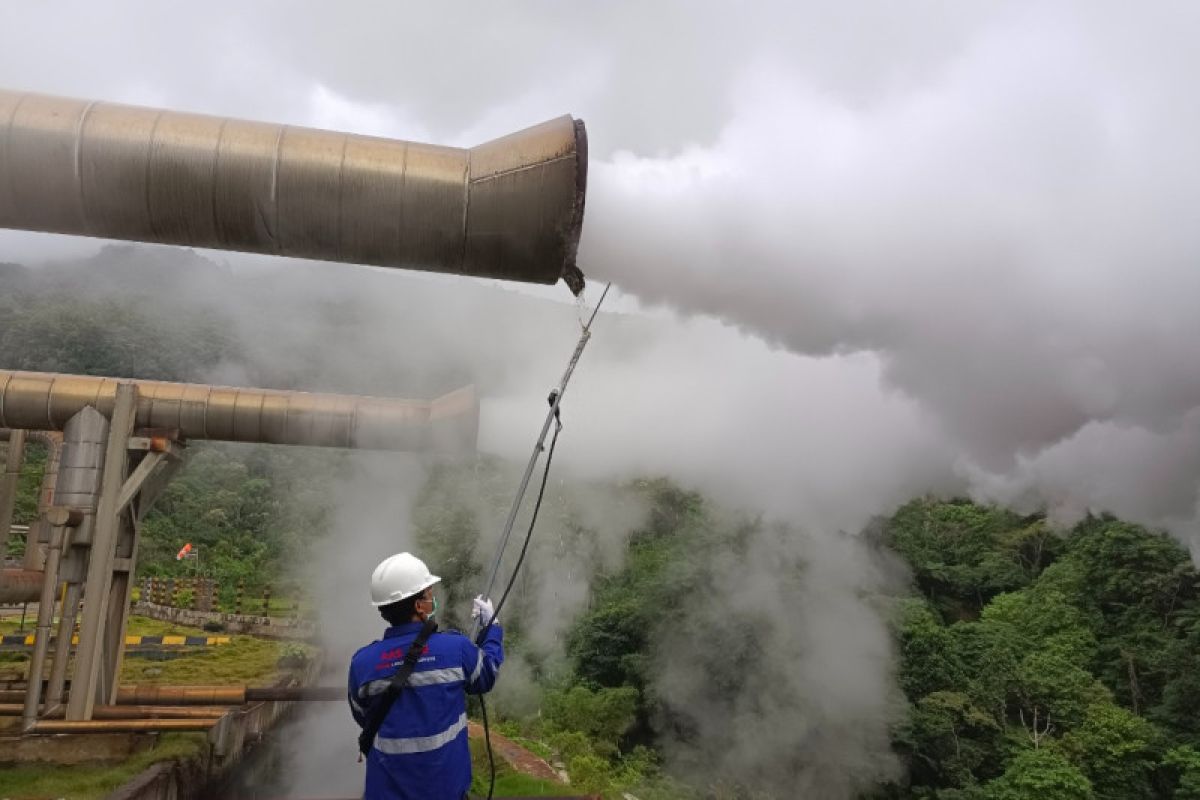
(420, 752)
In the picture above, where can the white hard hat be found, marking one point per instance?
(400, 576)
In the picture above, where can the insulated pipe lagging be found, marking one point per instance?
(448, 424)
(511, 208)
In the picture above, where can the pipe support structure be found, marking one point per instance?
(59, 533)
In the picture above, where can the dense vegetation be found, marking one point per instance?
(1032, 662)
(1045, 665)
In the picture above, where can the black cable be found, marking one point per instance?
(487, 733)
(487, 740)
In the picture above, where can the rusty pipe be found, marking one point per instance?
(147, 695)
(127, 712)
(289, 693)
(45, 401)
(224, 695)
(511, 208)
(20, 585)
(123, 725)
(181, 695)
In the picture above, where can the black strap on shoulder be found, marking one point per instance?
(383, 705)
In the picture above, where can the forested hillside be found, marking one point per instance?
(1046, 665)
(1031, 662)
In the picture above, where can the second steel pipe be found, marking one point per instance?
(45, 401)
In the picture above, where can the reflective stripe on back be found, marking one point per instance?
(421, 744)
(429, 677)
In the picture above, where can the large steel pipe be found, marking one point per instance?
(449, 424)
(511, 208)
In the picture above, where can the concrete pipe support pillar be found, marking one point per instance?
(81, 462)
(92, 675)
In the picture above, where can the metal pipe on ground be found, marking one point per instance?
(511, 208)
(182, 695)
(225, 695)
(449, 424)
(289, 693)
(149, 695)
(123, 725)
(127, 712)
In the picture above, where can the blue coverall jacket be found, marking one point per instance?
(421, 750)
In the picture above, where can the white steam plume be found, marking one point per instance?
(1013, 237)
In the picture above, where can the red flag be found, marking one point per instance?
(184, 551)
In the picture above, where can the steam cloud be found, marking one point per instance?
(947, 252)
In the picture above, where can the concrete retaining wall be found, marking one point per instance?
(270, 627)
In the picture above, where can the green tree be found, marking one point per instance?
(952, 736)
(1043, 774)
(602, 715)
(1182, 764)
(963, 554)
(1115, 750)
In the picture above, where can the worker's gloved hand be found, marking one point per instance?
(481, 610)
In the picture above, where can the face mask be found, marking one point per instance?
(433, 611)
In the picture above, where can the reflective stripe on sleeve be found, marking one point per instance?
(421, 744)
(427, 678)
(478, 667)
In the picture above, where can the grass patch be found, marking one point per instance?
(244, 660)
(509, 782)
(147, 626)
(87, 781)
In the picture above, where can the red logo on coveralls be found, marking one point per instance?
(389, 657)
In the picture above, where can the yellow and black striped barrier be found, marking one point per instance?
(23, 641)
